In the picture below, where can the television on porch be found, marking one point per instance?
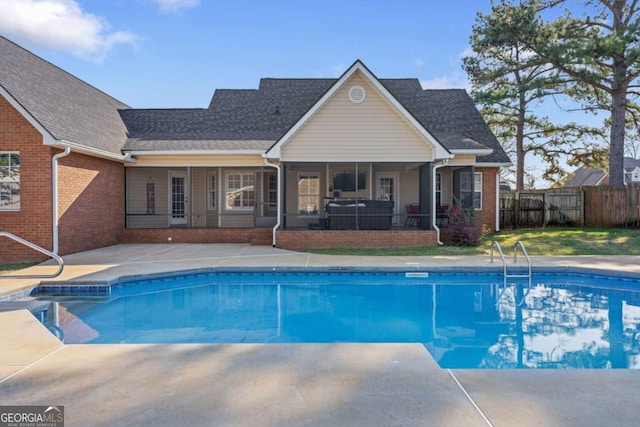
(346, 181)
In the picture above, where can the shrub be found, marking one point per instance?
(466, 230)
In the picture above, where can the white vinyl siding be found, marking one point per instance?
(372, 130)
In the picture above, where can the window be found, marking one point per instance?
(308, 193)
(211, 191)
(9, 181)
(240, 193)
(272, 189)
(438, 189)
(467, 199)
(477, 191)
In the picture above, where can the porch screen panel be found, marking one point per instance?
(308, 194)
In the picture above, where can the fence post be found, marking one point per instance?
(516, 209)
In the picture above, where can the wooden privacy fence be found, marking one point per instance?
(612, 206)
(541, 208)
(597, 206)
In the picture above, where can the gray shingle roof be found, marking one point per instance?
(267, 113)
(68, 108)
(585, 176)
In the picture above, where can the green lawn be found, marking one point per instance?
(539, 241)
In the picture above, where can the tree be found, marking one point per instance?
(599, 53)
(508, 80)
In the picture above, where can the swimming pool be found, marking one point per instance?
(466, 319)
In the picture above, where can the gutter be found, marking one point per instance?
(91, 151)
(279, 193)
(54, 188)
(433, 196)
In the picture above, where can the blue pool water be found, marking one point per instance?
(465, 320)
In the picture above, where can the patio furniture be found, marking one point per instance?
(413, 214)
(359, 215)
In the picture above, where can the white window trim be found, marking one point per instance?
(226, 188)
(19, 182)
(273, 191)
(318, 207)
(478, 190)
(211, 199)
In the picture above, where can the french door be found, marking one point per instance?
(177, 198)
(387, 189)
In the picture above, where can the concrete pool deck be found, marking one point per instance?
(288, 384)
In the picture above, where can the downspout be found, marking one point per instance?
(279, 194)
(433, 196)
(54, 187)
(498, 201)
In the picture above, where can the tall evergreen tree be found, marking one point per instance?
(596, 44)
(509, 80)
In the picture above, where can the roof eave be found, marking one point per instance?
(473, 152)
(94, 152)
(197, 153)
(47, 137)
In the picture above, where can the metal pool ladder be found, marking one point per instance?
(517, 245)
(39, 249)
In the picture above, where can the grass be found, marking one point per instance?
(539, 241)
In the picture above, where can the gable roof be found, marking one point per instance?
(585, 176)
(260, 117)
(370, 78)
(68, 109)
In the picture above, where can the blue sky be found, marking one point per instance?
(175, 53)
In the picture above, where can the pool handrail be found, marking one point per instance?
(524, 252)
(39, 249)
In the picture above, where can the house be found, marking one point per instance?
(585, 176)
(296, 163)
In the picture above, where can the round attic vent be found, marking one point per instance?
(357, 94)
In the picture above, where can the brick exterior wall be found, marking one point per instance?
(90, 194)
(33, 222)
(308, 239)
(488, 212)
(91, 203)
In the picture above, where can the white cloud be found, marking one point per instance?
(455, 81)
(169, 6)
(61, 25)
(337, 70)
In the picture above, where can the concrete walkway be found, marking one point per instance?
(286, 384)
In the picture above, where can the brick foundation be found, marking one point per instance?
(308, 239)
(258, 236)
